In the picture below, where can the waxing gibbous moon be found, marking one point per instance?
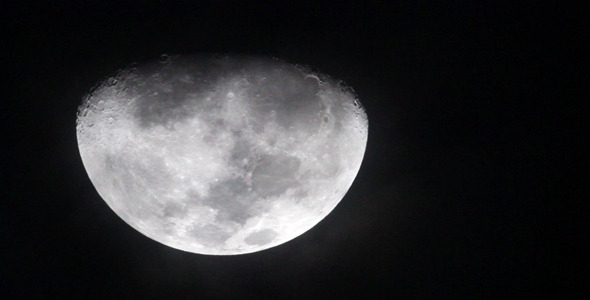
(221, 155)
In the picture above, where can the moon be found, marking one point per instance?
(221, 155)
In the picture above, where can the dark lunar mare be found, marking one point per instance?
(168, 92)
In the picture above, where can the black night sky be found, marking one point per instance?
(467, 150)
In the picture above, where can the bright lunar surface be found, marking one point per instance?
(221, 155)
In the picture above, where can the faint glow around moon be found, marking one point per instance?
(220, 155)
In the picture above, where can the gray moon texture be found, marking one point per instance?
(221, 155)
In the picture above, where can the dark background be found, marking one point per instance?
(468, 149)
